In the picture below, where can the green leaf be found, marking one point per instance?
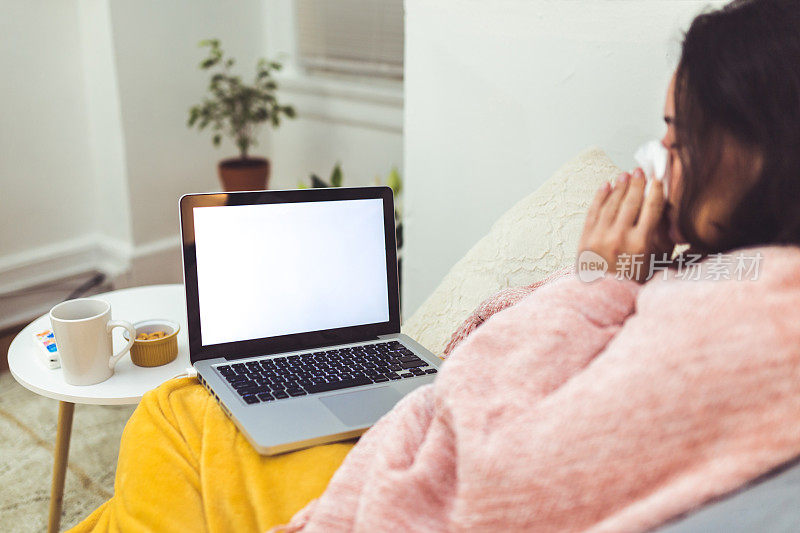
(395, 182)
(336, 176)
(234, 108)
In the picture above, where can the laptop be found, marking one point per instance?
(293, 312)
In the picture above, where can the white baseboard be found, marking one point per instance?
(22, 307)
(113, 256)
(48, 263)
(124, 265)
(153, 263)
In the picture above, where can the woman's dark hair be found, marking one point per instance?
(738, 82)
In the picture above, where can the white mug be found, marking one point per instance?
(82, 329)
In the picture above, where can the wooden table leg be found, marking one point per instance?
(65, 410)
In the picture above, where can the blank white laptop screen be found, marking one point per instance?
(277, 269)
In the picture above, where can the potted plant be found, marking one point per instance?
(236, 109)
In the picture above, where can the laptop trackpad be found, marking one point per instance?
(362, 408)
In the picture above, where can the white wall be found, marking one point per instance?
(110, 202)
(44, 153)
(500, 94)
(157, 53)
(337, 122)
(94, 150)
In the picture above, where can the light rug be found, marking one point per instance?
(27, 436)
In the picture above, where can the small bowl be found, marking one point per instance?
(155, 352)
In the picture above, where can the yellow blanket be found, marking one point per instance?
(183, 466)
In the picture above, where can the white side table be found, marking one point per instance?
(126, 386)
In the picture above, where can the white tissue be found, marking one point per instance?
(653, 158)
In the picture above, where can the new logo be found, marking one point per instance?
(591, 266)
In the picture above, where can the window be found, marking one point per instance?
(360, 37)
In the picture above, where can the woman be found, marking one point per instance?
(736, 94)
(612, 405)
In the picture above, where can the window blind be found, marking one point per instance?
(363, 37)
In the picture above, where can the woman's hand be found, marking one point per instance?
(626, 227)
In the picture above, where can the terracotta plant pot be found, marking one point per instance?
(251, 174)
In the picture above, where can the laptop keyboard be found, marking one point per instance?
(283, 377)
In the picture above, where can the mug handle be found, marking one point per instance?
(131, 336)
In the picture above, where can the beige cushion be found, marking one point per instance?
(532, 239)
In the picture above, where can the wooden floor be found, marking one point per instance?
(6, 336)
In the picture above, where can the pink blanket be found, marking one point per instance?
(606, 406)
